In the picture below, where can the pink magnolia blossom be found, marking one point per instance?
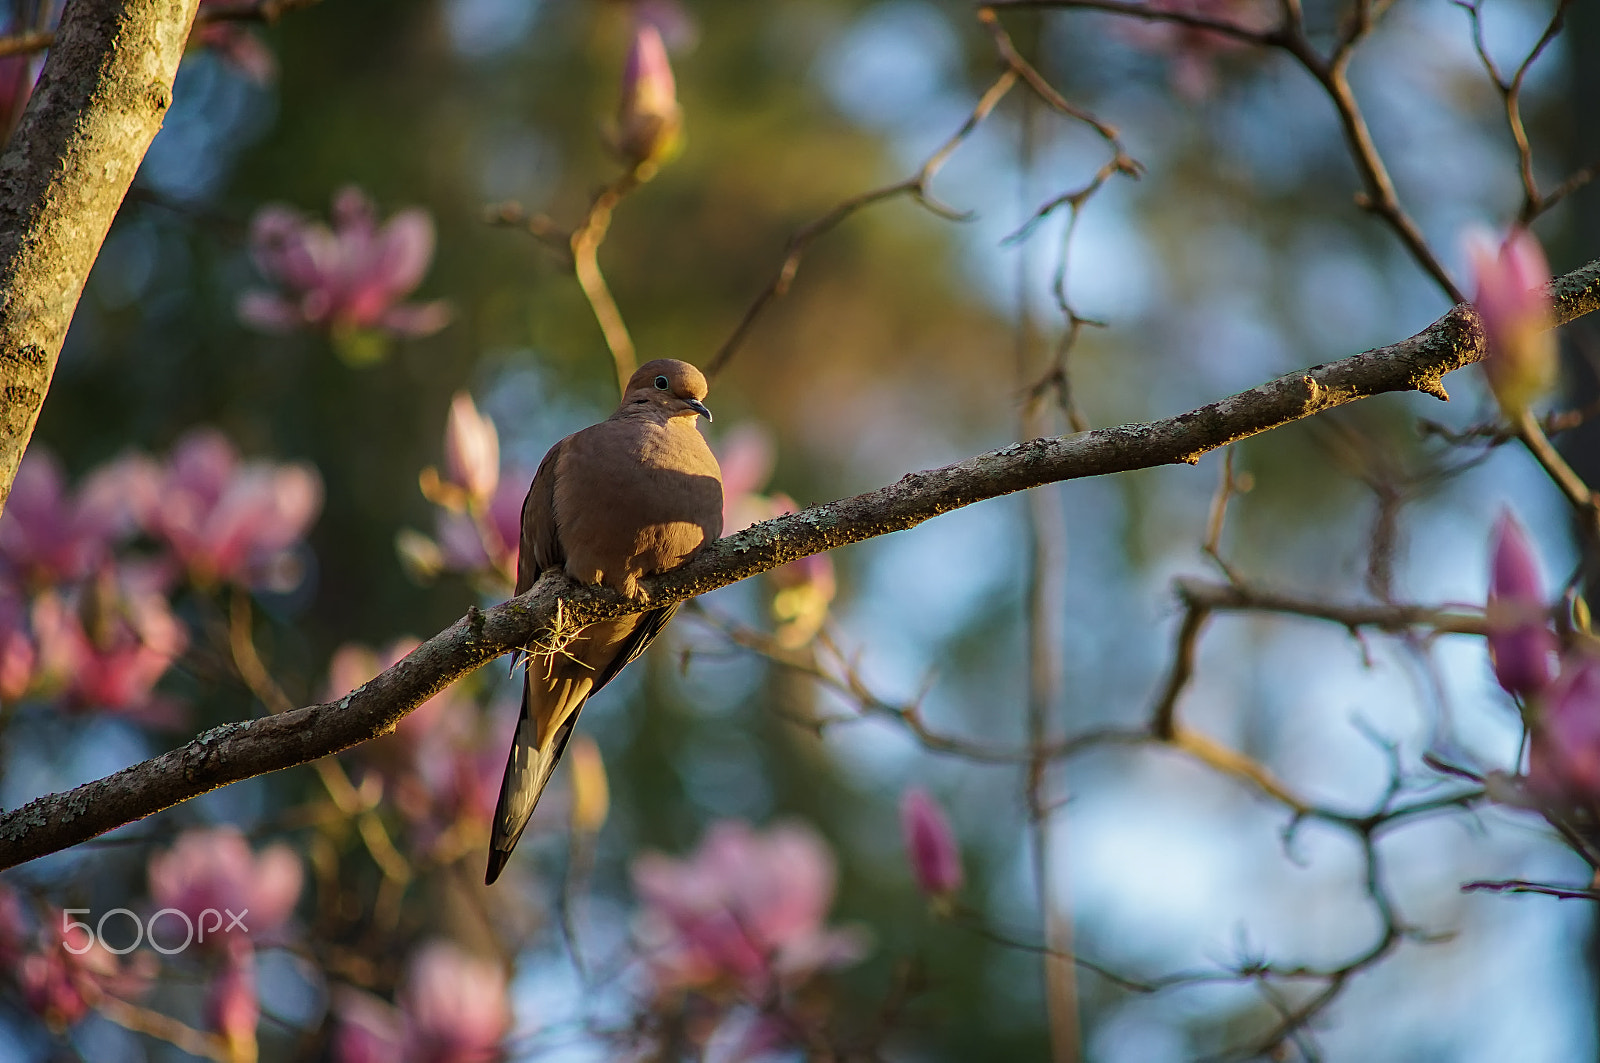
(214, 869)
(369, 1029)
(930, 845)
(1564, 753)
(1521, 359)
(353, 276)
(453, 1008)
(430, 762)
(1521, 642)
(482, 545)
(68, 972)
(107, 644)
(745, 911)
(471, 450)
(49, 535)
(227, 520)
(649, 120)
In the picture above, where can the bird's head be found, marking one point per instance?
(666, 384)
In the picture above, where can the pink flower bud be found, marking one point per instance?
(1564, 755)
(1521, 642)
(1510, 299)
(649, 118)
(930, 845)
(471, 450)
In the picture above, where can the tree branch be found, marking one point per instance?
(555, 606)
(100, 100)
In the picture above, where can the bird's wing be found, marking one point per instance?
(540, 547)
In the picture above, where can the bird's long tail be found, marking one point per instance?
(542, 733)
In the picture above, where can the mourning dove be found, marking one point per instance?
(634, 495)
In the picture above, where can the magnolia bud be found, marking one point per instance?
(1521, 642)
(1510, 299)
(471, 450)
(649, 119)
(930, 845)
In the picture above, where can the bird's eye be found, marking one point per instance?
(661, 383)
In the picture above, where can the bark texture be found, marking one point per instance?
(238, 751)
(106, 85)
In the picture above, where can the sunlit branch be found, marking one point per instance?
(580, 252)
(548, 614)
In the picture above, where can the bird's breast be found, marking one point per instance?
(637, 500)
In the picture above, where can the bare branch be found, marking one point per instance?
(238, 751)
(915, 186)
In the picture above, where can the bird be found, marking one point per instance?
(635, 495)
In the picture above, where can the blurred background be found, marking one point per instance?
(907, 341)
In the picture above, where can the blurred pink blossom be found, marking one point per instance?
(353, 276)
(471, 449)
(68, 972)
(747, 457)
(48, 535)
(13, 928)
(107, 644)
(649, 120)
(440, 719)
(18, 655)
(237, 45)
(1194, 52)
(483, 545)
(745, 911)
(453, 1008)
(1564, 752)
(805, 588)
(1521, 641)
(226, 520)
(232, 1008)
(368, 1030)
(930, 845)
(430, 762)
(1509, 279)
(214, 868)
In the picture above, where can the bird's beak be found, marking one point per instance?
(698, 407)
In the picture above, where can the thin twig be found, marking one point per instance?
(916, 186)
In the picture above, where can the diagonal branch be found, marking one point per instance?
(238, 751)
